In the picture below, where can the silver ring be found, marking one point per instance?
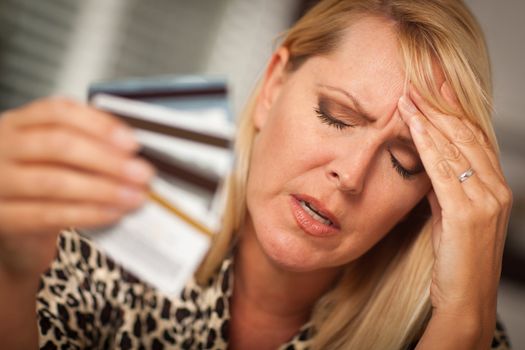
(464, 177)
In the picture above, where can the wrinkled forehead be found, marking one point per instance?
(367, 62)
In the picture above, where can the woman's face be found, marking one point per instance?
(333, 167)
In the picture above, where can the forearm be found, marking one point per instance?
(18, 325)
(457, 332)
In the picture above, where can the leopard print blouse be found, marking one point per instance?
(86, 301)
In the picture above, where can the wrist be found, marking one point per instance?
(459, 329)
(474, 319)
(18, 317)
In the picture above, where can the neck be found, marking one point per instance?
(268, 297)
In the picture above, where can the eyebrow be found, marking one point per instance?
(359, 108)
(367, 116)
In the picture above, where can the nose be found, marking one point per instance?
(350, 170)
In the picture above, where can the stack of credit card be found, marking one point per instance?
(185, 130)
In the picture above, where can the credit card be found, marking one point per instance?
(164, 241)
(182, 92)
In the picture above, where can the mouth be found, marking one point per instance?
(314, 213)
(312, 217)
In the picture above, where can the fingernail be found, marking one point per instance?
(137, 170)
(124, 138)
(131, 196)
(407, 104)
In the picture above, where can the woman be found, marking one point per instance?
(368, 209)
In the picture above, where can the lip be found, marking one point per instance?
(309, 224)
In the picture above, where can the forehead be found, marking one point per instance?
(367, 62)
(372, 41)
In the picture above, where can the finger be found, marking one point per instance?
(444, 181)
(485, 143)
(455, 128)
(85, 119)
(461, 136)
(451, 98)
(79, 151)
(474, 188)
(26, 217)
(480, 135)
(473, 144)
(486, 202)
(59, 183)
(435, 209)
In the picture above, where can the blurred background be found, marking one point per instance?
(50, 47)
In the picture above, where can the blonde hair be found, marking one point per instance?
(382, 300)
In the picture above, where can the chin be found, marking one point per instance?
(292, 253)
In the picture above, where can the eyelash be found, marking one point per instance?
(405, 174)
(331, 121)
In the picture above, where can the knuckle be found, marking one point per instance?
(442, 169)
(483, 138)
(451, 152)
(506, 197)
(463, 135)
(491, 206)
(441, 115)
(481, 135)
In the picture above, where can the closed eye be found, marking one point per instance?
(327, 119)
(401, 170)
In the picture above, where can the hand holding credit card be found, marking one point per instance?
(184, 129)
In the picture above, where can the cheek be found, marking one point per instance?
(400, 197)
(283, 150)
(389, 200)
(381, 211)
